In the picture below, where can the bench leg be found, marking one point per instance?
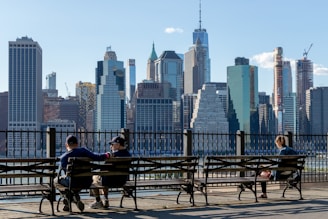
(49, 197)
(189, 189)
(129, 193)
(247, 185)
(293, 184)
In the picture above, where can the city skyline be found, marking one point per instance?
(75, 35)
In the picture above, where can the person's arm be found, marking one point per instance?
(95, 156)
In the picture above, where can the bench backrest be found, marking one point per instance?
(166, 167)
(240, 165)
(138, 168)
(27, 170)
(85, 167)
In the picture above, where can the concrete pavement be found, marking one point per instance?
(223, 204)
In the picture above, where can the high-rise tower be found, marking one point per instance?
(169, 69)
(25, 90)
(151, 64)
(242, 82)
(51, 85)
(282, 91)
(304, 81)
(197, 60)
(110, 93)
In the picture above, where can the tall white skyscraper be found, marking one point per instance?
(110, 93)
(25, 99)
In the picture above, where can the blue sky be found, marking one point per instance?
(74, 34)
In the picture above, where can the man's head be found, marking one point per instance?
(71, 142)
(280, 141)
(117, 143)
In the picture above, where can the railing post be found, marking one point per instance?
(51, 142)
(289, 136)
(240, 147)
(187, 142)
(240, 140)
(126, 134)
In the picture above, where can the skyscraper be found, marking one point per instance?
(278, 88)
(266, 116)
(282, 90)
(304, 81)
(110, 91)
(209, 117)
(86, 96)
(153, 115)
(130, 79)
(25, 90)
(51, 81)
(51, 89)
(317, 110)
(169, 69)
(201, 35)
(242, 82)
(197, 61)
(151, 64)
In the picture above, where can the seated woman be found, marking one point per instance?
(275, 175)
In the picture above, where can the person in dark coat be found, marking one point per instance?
(275, 175)
(118, 149)
(73, 150)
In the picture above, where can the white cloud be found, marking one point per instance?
(170, 30)
(263, 60)
(320, 70)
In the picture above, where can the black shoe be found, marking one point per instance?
(80, 205)
(66, 207)
(78, 202)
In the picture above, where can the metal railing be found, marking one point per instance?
(51, 143)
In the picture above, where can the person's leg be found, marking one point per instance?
(62, 181)
(77, 200)
(264, 190)
(106, 202)
(96, 181)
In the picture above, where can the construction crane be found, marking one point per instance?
(305, 53)
(68, 93)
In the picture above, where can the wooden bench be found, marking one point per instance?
(29, 176)
(244, 171)
(80, 167)
(144, 172)
(162, 172)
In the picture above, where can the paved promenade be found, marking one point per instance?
(223, 204)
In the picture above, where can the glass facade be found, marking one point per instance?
(242, 82)
(110, 110)
(25, 100)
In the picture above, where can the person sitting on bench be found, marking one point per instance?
(275, 175)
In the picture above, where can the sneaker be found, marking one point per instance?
(80, 205)
(97, 205)
(106, 204)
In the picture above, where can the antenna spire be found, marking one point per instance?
(200, 14)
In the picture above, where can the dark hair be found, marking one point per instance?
(71, 139)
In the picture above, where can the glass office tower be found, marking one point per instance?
(25, 98)
(110, 93)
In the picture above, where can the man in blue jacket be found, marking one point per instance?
(73, 150)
